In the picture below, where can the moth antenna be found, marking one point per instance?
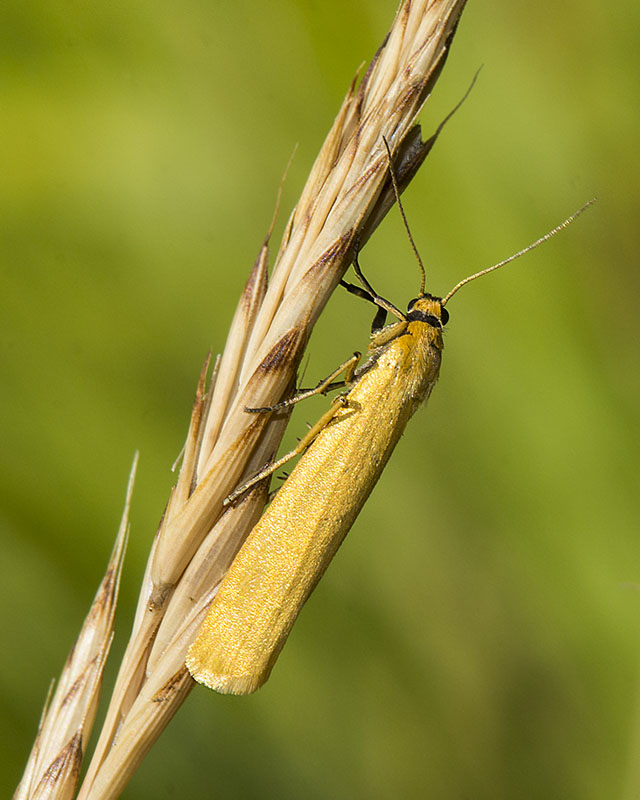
(396, 191)
(527, 249)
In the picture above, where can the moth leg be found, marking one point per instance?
(328, 384)
(381, 314)
(269, 469)
(380, 301)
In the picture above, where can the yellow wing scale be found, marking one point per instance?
(290, 547)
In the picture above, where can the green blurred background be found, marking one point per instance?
(478, 635)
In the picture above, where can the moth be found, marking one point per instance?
(343, 456)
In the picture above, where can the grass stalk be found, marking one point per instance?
(347, 194)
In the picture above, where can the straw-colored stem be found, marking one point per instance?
(346, 196)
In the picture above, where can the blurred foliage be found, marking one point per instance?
(478, 633)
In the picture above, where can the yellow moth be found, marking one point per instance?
(288, 550)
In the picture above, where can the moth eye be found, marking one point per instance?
(444, 316)
(412, 303)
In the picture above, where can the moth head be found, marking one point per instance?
(429, 309)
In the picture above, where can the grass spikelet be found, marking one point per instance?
(346, 195)
(53, 768)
